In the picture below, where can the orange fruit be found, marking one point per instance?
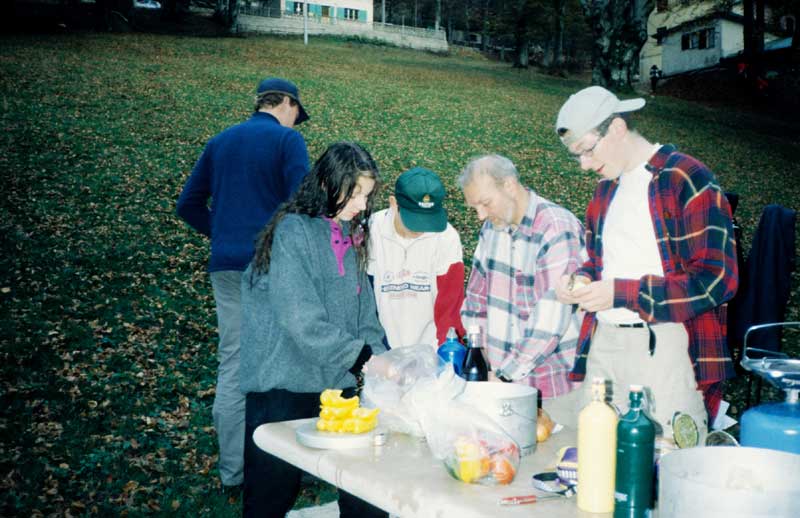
(544, 426)
(502, 469)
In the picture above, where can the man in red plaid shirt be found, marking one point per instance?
(662, 264)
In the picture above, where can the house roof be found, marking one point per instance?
(783, 43)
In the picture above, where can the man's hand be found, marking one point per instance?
(568, 285)
(595, 296)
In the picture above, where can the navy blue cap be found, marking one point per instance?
(282, 86)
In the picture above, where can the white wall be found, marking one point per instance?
(420, 39)
(676, 60)
(732, 37)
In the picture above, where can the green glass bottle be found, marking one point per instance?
(636, 434)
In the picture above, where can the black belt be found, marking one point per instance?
(641, 325)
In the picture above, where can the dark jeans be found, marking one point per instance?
(271, 485)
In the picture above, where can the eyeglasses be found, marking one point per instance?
(587, 153)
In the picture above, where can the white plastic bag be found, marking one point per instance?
(409, 387)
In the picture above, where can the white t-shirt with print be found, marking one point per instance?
(404, 272)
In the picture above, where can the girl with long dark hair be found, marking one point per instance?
(308, 316)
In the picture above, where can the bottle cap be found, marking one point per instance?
(379, 439)
(451, 333)
(636, 388)
(598, 387)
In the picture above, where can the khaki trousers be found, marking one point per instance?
(564, 409)
(622, 355)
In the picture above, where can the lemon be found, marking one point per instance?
(333, 397)
(332, 412)
(684, 431)
(472, 460)
(469, 470)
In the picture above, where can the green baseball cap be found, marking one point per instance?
(420, 194)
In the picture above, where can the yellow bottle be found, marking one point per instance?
(597, 440)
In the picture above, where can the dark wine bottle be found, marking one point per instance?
(475, 367)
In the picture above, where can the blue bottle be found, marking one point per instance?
(775, 426)
(451, 351)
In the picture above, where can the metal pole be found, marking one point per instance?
(305, 23)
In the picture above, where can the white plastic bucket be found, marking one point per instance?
(729, 482)
(511, 406)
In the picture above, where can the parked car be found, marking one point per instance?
(146, 4)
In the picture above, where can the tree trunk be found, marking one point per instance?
(449, 27)
(523, 58)
(747, 29)
(560, 8)
(547, 54)
(522, 41)
(619, 29)
(233, 15)
(485, 29)
(758, 29)
(438, 14)
(221, 10)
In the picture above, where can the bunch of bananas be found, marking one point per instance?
(343, 415)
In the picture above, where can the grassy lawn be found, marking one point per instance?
(107, 322)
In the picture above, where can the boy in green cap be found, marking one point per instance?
(416, 263)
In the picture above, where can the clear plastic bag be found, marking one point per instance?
(473, 448)
(412, 369)
(414, 400)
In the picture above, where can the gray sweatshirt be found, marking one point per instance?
(304, 324)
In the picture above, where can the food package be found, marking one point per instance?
(343, 415)
(472, 447)
(567, 465)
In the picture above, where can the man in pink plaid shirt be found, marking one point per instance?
(525, 245)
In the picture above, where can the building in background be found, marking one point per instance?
(325, 11)
(345, 10)
(687, 35)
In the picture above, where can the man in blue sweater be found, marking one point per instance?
(247, 171)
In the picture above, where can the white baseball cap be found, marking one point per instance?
(587, 109)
